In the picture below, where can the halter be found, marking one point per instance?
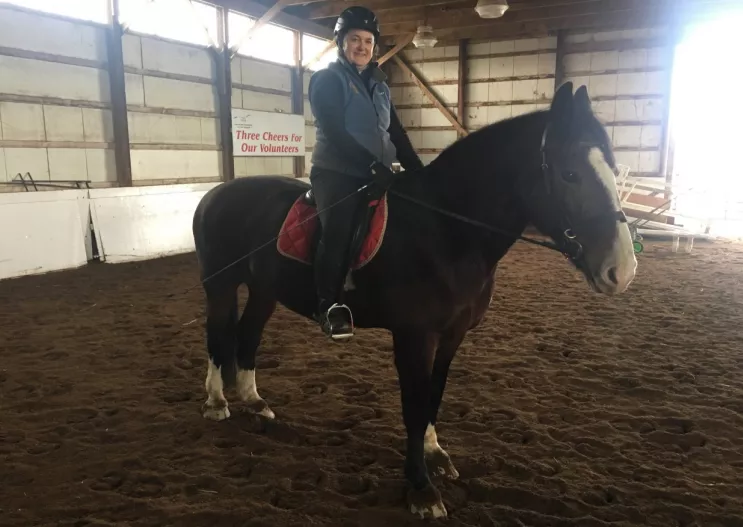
(568, 244)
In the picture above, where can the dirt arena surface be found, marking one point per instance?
(564, 408)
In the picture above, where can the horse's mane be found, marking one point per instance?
(490, 137)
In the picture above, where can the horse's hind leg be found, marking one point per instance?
(258, 311)
(221, 323)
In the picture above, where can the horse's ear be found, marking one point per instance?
(561, 111)
(582, 101)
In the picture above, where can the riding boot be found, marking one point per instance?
(336, 320)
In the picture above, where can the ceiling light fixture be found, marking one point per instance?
(491, 8)
(424, 37)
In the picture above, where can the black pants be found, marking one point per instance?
(338, 225)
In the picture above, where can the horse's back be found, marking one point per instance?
(234, 216)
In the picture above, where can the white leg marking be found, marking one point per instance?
(438, 457)
(622, 257)
(248, 391)
(216, 407)
(430, 441)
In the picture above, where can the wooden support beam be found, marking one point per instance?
(334, 8)
(223, 71)
(256, 10)
(262, 21)
(560, 59)
(469, 18)
(117, 82)
(321, 54)
(461, 82)
(401, 43)
(431, 96)
(298, 95)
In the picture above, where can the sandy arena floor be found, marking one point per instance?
(564, 408)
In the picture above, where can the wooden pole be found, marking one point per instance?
(560, 59)
(298, 95)
(117, 82)
(223, 63)
(431, 96)
(461, 84)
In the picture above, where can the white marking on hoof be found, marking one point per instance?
(248, 392)
(215, 407)
(434, 511)
(216, 414)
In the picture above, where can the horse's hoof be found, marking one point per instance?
(260, 407)
(439, 464)
(426, 503)
(215, 413)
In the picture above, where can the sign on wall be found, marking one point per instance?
(256, 133)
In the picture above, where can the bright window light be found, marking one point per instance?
(173, 19)
(91, 10)
(311, 46)
(708, 176)
(270, 42)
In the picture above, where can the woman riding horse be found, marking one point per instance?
(359, 135)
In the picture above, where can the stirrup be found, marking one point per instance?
(342, 333)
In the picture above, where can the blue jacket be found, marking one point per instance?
(355, 121)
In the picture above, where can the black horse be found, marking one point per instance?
(432, 279)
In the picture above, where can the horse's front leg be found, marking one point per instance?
(414, 352)
(437, 459)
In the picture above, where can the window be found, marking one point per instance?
(91, 10)
(174, 19)
(311, 46)
(269, 42)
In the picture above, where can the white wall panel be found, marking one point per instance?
(159, 55)
(174, 164)
(50, 237)
(627, 84)
(97, 125)
(169, 93)
(145, 222)
(34, 32)
(22, 122)
(132, 50)
(67, 163)
(101, 165)
(32, 77)
(3, 170)
(264, 75)
(63, 123)
(134, 85)
(23, 160)
(267, 102)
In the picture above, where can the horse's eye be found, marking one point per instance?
(570, 177)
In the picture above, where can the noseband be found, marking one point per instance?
(568, 244)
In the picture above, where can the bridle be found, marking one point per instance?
(568, 245)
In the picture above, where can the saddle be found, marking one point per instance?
(300, 232)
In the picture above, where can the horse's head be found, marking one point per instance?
(575, 201)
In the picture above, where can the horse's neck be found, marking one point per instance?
(479, 179)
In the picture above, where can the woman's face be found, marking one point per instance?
(358, 46)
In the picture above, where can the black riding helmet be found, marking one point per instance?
(356, 17)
